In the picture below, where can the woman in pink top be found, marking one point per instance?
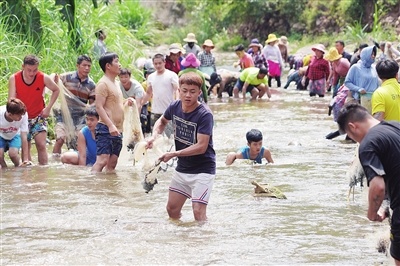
(340, 66)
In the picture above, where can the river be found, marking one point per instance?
(63, 215)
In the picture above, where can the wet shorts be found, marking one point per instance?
(239, 84)
(105, 143)
(15, 142)
(195, 186)
(36, 125)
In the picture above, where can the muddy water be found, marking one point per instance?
(59, 215)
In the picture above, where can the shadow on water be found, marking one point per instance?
(64, 215)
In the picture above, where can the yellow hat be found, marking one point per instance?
(333, 55)
(271, 38)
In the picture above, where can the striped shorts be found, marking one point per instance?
(195, 186)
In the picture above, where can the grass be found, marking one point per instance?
(127, 27)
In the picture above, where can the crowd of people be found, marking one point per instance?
(173, 98)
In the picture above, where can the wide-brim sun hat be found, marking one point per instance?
(190, 60)
(255, 43)
(175, 48)
(333, 55)
(271, 38)
(283, 39)
(190, 38)
(208, 43)
(319, 47)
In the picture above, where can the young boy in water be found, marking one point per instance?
(13, 132)
(253, 151)
(193, 129)
(86, 153)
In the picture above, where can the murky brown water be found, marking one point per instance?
(60, 215)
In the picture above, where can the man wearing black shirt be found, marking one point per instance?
(379, 154)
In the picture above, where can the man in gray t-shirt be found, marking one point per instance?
(130, 87)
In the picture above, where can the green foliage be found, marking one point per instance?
(133, 16)
(247, 19)
(53, 49)
(227, 42)
(375, 32)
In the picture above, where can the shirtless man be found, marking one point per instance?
(109, 106)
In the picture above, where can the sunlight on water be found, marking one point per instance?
(60, 214)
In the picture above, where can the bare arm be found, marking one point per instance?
(244, 89)
(376, 195)
(139, 104)
(379, 115)
(81, 143)
(148, 94)
(268, 156)
(11, 88)
(232, 156)
(158, 129)
(49, 83)
(176, 93)
(199, 148)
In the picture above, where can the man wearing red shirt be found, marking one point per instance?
(28, 86)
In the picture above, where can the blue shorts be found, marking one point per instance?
(36, 125)
(239, 84)
(15, 142)
(105, 143)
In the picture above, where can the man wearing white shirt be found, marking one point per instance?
(162, 86)
(13, 132)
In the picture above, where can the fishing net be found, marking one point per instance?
(355, 173)
(70, 110)
(151, 166)
(132, 127)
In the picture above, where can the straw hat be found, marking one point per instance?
(333, 54)
(271, 38)
(190, 60)
(283, 40)
(208, 43)
(319, 47)
(175, 48)
(190, 38)
(255, 43)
